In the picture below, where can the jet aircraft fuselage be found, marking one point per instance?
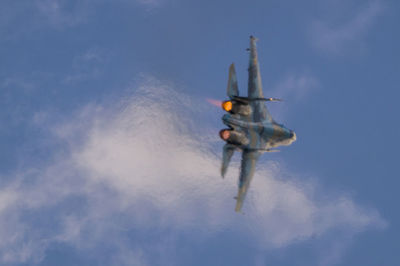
(260, 136)
(251, 129)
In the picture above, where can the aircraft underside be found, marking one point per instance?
(251, 128)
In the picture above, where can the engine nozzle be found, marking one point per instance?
(225, 134)
(235, 107)
(233, 136)
(227, 105)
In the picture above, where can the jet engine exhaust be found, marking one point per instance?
(225, 134)
(214, 102)
(227, 106)
(234, 137)
(235, 107)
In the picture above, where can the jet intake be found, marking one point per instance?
(234, 137)
(235, 107)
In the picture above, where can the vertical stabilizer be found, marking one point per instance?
(255, 86)
(232, 88)
(227, 153)
(260, 112)
(247, 169)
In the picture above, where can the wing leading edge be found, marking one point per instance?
(247, 169)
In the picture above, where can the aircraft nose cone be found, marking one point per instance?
(292, 135)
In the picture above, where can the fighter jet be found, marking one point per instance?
(251, 129)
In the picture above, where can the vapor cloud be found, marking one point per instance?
(129, 178)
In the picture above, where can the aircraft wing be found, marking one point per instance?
(260, 111)
(247, 169)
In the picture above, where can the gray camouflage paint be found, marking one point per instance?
(259, 132)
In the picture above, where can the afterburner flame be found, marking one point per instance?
(224, 134)
(214, 102)
(227, 106)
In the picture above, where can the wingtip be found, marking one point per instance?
(237, 209)
(223, 172)
(238, 206)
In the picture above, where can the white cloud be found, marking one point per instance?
(19, 19)
(333, 37)
(63, 13)
(143, 167)
(88, 65)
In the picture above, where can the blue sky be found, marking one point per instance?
(110, 152)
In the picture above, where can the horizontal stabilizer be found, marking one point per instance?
(247, 100)
(264, 150)
(269, 150)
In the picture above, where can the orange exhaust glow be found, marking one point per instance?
(227, 106)
(224, 134)
(214, 102)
